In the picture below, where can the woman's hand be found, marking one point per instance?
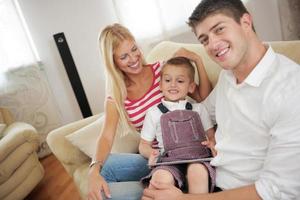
(96, 185)
(182, 52)
(204, 87)
(153, 156)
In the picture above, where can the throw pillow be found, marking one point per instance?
(2, 127)
(86, 138)
(2, 124)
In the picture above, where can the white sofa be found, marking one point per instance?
(76, 162)
(20, 169)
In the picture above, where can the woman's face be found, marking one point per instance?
(128, 57)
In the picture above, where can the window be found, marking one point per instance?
(154, 20)
(16, 46)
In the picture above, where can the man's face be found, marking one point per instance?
(225, 40)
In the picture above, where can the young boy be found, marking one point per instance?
(177, 80)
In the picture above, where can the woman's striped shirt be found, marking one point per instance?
(136, 109)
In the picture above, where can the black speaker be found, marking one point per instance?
(72, 72)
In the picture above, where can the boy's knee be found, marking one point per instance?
(197, 171)
(163, 176)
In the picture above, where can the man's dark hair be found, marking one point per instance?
(231, 8)
(184, 62)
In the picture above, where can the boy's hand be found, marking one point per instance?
(211, 145)
(153, 156)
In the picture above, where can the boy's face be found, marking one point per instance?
(176, 83)
(225, 40)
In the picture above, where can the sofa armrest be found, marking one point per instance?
(69, 155)
(15, 135)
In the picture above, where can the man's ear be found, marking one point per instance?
(246, 21)
(192, 87)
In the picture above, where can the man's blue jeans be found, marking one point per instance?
(123, 173)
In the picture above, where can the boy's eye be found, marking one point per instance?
(180, 81)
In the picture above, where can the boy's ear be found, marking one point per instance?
(192, 87)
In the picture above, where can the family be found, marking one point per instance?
(250, 120)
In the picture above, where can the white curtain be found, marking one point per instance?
(24, 88)
(151, 21)
(290, 19)
(16, 47)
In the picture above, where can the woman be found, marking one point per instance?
(132, 87)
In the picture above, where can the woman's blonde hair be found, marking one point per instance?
(110, 38)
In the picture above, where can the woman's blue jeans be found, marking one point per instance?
(123, 173)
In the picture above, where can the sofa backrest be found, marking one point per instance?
(164, 50)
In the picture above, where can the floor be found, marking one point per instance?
(56, 184)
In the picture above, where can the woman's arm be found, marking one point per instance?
(96, 182)
(105, 141)
(204, 88)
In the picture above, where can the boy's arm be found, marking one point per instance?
(145, 148)
(148, 134)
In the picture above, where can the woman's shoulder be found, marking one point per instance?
(155, 66)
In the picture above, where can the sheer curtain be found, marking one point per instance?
(290, 19)
(16, 47)
(24, 88)
(151, 21)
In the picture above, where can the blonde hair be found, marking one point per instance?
(110, 38)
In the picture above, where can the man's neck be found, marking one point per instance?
(255, 53)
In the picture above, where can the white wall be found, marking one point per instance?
(266, 19)
(80, 21)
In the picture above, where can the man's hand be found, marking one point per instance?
(161, 192)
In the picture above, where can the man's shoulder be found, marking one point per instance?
(198, 106)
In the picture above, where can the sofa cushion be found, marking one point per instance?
(2, 127)
(15, 159)
(85, 139)
(165, 50)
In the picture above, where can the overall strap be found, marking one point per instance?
(188, 106)
(164, 109)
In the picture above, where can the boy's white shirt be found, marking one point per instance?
(152, 129)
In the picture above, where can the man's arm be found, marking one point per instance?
(166, 192)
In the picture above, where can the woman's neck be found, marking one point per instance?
(135, 79)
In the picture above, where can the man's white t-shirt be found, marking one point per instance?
(258, 134)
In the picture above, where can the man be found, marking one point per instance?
(255, 105)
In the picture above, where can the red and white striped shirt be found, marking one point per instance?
(136, 109)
